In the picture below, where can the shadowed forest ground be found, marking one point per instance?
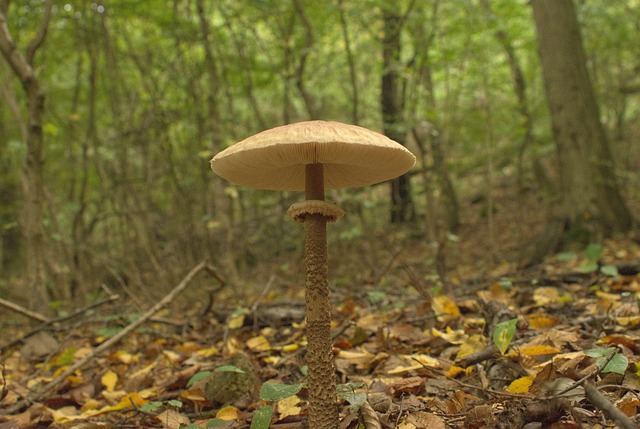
(421, 355)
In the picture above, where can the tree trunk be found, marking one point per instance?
(392, 104)
(520, 88)
(33, 182)
(591, 202)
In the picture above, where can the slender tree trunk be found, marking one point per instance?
(309, 100)
(520, 87)
(392, 104)
(33, 181)
(355, 97)
(591, 200)
(215, 121)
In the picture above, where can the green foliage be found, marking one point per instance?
(616, 362)
(262, 417)
(593, 252)
(197, 377)
(348, 392)
(128, 126)
(276, 392)
(504, 333)
(229, 368)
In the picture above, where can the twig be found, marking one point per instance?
(58, 320)
(254, 307)
(583, 380)
(110, 342)
(24, 311)
(603, 404)
(370, 417)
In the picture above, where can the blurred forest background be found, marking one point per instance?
(110, 112)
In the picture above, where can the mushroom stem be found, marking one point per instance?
(314, 182)
(323, 409)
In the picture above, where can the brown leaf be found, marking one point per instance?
(425, 420)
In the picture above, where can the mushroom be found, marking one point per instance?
(314, 156)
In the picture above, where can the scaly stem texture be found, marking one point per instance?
(323, 410)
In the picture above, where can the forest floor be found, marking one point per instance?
(556, 345)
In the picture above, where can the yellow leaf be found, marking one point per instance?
(144, 370)
(454, 371)
(236, 320)
(546, 295)
(171, 356)
(473, 344)
(109, 380)
(125, 357)
(228, 413)
(273, 360)
(259, 344)
(608, 296)
(628, 320)
(539, 350)
(451, 336)
(207, 352)
(542, 322)
(290, 347)
(288, 407)
(521, 385)
(128, 401)
(425, 360)
(445, 308)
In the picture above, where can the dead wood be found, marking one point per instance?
(24, 311)
(610, 410)
(37, 395)
(61, 319)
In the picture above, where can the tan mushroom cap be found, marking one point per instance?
(275, 159)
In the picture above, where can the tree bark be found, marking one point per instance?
(392, 105)
(591, 202)
(33, 181)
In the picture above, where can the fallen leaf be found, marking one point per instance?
(171, 419)
(109, 380)
(228, 413)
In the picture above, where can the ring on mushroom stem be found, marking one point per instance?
(311, 156)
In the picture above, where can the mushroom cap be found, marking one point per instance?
(275, 159)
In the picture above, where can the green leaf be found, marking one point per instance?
(504, 333)
(262, 417)
(174, 403)
(590, 267)
(376, 296)
(229, 368)
(609, 270)
(356, 400)
(566, 256)
(277, 392)
(197, 377)
(618, 363)
(151, 407)
(593, 252)
(349, 387)
(216, 423)
(189, 426)
(600, 352)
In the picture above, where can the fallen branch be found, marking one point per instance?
(610, 410)
(58, 320)
(24, 311)
(110, 342)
